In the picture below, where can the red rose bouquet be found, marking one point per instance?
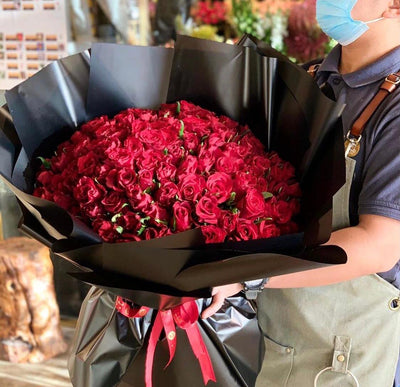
(149, 173)
(180, 170)
(146, 173)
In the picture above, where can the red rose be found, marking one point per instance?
(150, 233)
(110, 179)
(129, 221)
(252, 205)
(191, 142)
(105, 229)
(188, 165)
(176, 150)
(122, 157)
(252, 143)
(87, 191)
(240, 150)
(43, 193)
(126, 178)
(220, 185)
(182, 216)
(207, 210)
(166, 171)
(62, 161)
(152, 139)
(146, 179)
(282, 211)
(45, 178)
(113, 202)
(138, 199)
(90, 127)
(260, 164)
(215, 141)
(167, 193)
(213, 234)
(158, 215)
(246, 230)
(191, 187)
(63, 200)
(206, 159)
(135, 146)
(93, 210)
(268, 229)
(228, 164)
(243, 182)
(228, 221)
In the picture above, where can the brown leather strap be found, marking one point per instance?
(387, 87)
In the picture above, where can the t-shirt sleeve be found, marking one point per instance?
(380, 192)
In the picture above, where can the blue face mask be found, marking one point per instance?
(334, 18)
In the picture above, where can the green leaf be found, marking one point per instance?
(45, 163)
(119, 229)
(165, 151)
(259, 220)
(144, 220)
(267, 195)
(159, 221)
(125, 205)
(235, 210)
(147, 190)
(232, 198)
(182, 129)
(140, 231)
(178, 107)
(174, 225)
(115, 217)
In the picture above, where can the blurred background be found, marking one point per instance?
(36, 32)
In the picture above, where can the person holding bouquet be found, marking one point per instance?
(340, 325)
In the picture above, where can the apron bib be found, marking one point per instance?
(340, 335)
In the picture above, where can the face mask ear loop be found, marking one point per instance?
(374, 20)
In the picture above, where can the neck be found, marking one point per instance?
(368, 48)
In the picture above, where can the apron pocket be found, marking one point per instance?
(277, 366)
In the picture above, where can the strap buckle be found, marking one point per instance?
(352, 138)
(394, 81)
(352, 144)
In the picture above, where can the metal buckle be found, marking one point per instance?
(354, 139)
(396, 82)
(351, 145)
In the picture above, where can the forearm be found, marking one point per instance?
(370, 249)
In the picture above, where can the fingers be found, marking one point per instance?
(216, 305)
(219, 294)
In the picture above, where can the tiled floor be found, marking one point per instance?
(51, 373)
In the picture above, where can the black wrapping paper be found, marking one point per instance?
(279, 101)
(109, 349)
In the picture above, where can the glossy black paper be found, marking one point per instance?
(108, 349)
(249, 83)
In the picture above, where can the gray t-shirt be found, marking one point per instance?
(376, 183)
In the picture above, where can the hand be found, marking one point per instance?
(219, 294)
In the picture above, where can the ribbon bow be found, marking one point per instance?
(185, 316)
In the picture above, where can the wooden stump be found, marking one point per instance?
(29, 315)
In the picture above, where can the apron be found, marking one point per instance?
(341, 335)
